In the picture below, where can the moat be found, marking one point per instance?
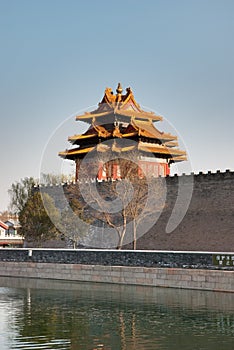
(45, 314)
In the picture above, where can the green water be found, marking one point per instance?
(40, 314)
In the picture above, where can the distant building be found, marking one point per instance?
(120, 126)
(8, 234)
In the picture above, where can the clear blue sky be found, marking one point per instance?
(57, 57)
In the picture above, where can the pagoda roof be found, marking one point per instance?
(179, 158)
(119, 116)
(119, 104)
(115, 147)
(171, 144)
(136, 128)
(69, 154)
(93, 131)
(160, 149)
(147, 129)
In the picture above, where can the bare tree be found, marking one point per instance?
(146, 205)
(123, 205)
(7, 215)
(54, 179)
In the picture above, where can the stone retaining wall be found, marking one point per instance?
(192, 270)
(215, 280)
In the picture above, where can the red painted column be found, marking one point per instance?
(114, 171)
(99, 176)
(167, 169)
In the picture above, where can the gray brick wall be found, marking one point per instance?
(209, 221)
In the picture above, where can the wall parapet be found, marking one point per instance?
(209, 175)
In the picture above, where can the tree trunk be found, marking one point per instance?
(120, 244)
(134, 235)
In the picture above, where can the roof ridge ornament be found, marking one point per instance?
(119, 89)
(129, 90)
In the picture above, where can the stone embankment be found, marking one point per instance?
(190, 270)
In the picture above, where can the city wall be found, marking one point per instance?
(188, 270)
(208, 224)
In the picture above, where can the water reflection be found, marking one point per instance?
(41, 314)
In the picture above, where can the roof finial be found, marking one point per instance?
(119, 89)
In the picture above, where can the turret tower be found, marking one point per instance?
(117, 118)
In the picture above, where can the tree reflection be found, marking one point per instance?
(102, 317)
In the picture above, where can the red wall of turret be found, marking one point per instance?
(148, 168)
